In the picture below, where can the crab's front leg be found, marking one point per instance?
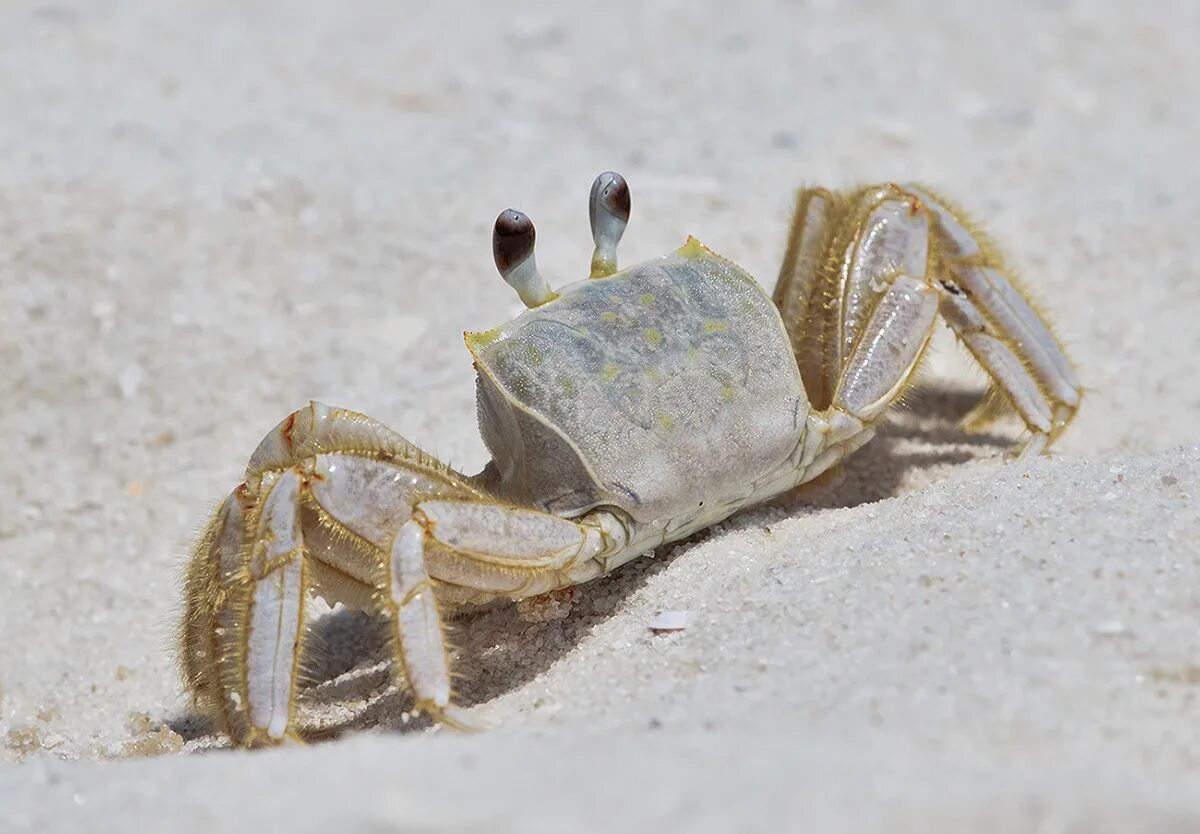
(242, 630)
(337, 504)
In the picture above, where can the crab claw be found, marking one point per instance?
(608, 210)
(512, 247)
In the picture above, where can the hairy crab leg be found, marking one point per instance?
(1003, 330)
(888, 348)
(275, 617)
(512, 551)
(337, 504)
(843, 250)
(242, 630)
(876, 279)
(806, 290)
(253, 569)
(1007, 371)
(215, 592)
(883, 361)
(417, 624)
(885, 301)
(521, 552)
(843, 253)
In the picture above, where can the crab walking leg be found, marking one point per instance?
(274, 620)
(843, 251)
(880, 366)
(420, 644)
(326, 478)
(802, 260)
(887, 304)
(1007, 370)
(1025, 340)
(515, 551)
(246, 587)
(212, 577)
(805, 291)
(277, 618)
(338, 505)
(473, 546)
(213, 634)
(891, 237)
(888, 348)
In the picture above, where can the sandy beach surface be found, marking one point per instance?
(211, 213)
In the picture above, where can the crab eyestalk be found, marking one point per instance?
(608, 210)
(512, 246)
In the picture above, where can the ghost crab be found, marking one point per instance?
(626, 410)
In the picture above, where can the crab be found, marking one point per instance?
(626, 410)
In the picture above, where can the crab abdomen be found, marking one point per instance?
(666, 385)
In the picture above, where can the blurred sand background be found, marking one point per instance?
(213, 212)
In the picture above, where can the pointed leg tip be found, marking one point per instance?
(458, 719)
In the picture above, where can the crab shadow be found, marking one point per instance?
(350, 671)
(923, 436)
(349, 668)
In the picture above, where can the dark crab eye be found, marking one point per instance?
(512, 239)
(608, 211)
(610, 193)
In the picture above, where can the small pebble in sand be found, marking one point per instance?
(1112, 628)
(129, 380)
(669, 622)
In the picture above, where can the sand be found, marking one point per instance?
(211, 213)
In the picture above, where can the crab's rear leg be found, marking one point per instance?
(996, 321)
(880, 365)
(844, 253)
(857, 299)
(807, 288)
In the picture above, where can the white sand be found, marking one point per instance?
(208, 217)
